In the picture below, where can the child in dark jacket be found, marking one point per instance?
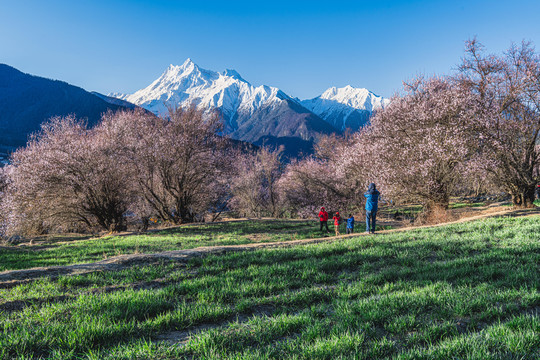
(350, 224)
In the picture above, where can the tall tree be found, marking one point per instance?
(178, 164)
(66, 175)
(508, 88)
(254, 186)
(414, 148)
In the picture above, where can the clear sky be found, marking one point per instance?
(302, 47)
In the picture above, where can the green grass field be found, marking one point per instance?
(464, 291)
(184, 237)
(57, 251)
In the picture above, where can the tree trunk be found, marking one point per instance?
(525, 197)
(436, 206)
(434, 213)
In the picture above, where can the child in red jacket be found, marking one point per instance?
(337, 221)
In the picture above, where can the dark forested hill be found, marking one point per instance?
(26, 101)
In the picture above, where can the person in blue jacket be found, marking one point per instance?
(350, 224)
(372, 201)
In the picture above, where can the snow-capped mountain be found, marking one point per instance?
(236, 99)
(346, 107)
(250, 112)
(189, 84)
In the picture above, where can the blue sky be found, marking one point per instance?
(302, 47)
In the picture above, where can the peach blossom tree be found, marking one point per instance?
(508, 92)
(65, 176)
(254, 187)
(417, 148)
(179, 164)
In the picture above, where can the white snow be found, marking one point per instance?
(357, 98)
(189, 84)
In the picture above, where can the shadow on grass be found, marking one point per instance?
(465, 277)
(240, 227)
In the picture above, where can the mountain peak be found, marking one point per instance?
(188, 72)
(243, 105)
(345, 92)
(188, 63)
(188, 84)
(345, 107)
(186, 68)
(234, 74)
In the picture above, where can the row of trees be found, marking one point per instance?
(132, 163)
(475, 130)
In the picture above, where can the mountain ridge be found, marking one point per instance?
(249, 112)
(26, 101)
(238, 101)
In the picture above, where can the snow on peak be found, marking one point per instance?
(345, 107)
(117, 95)
(187, 63)
(189, 84)
(234, 74)
(358, 98)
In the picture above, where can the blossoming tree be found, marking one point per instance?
(508, 89)
(254, 186)
(67, 174)
(416, 147)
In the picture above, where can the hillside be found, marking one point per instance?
(467, 290)
(26, 101)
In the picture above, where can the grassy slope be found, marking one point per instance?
(465, 291)
(60, 252)
(186, 237)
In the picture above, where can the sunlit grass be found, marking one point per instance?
(467, 291)
(183, 237)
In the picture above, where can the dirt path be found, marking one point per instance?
(12, 278)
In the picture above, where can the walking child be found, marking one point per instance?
(337, 221)
(350, 224)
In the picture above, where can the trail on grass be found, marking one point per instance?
(12, 278)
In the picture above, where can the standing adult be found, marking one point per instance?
(372, 201)
(323, 219)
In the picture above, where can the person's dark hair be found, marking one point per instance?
(350, 215)
(372, 188)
